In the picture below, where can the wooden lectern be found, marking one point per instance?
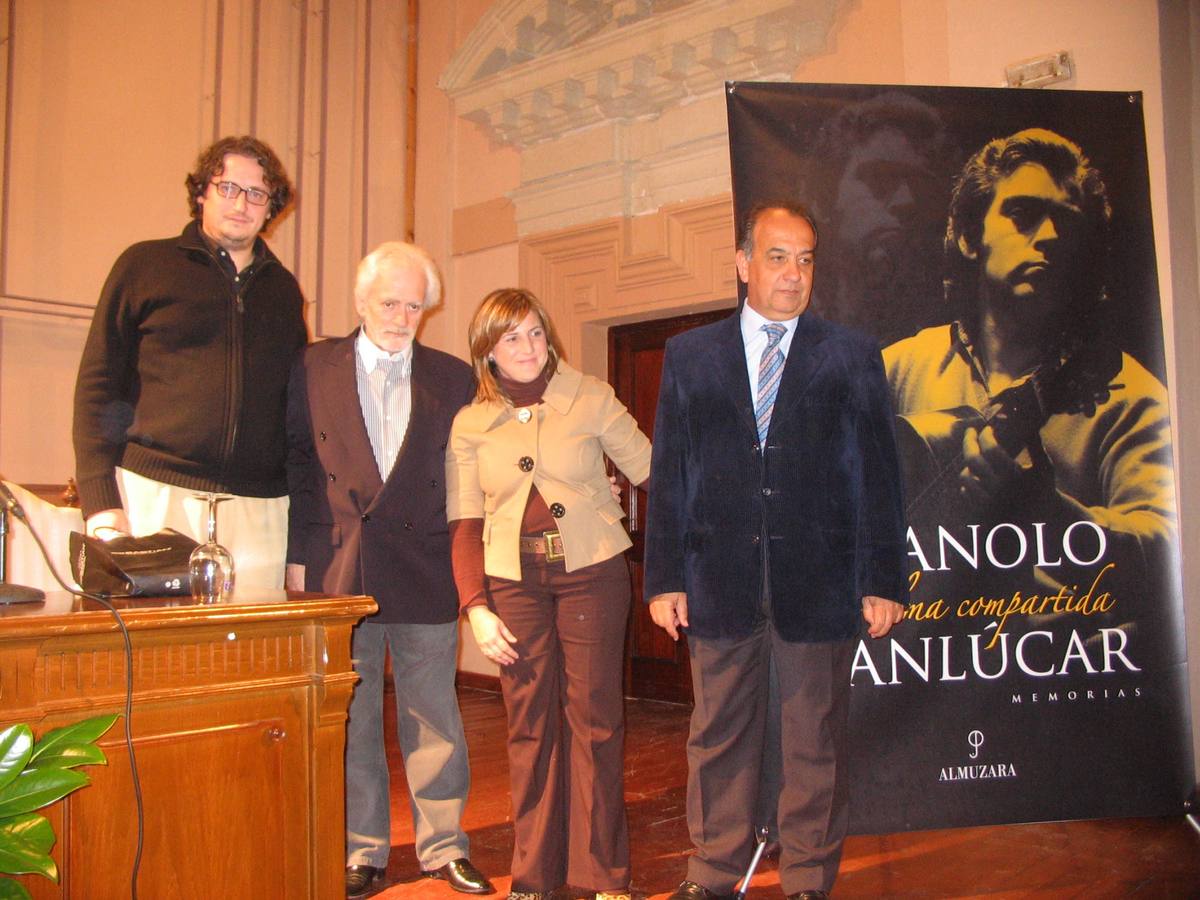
(239, 716)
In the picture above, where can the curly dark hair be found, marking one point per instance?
(975, 188)
(211, 162)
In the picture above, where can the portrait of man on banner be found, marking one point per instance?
(998, 244)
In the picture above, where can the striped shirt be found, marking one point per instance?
(385, 397)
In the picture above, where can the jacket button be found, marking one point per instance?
(433, 482)
(366, 517)
(332, 477)
(755, 539)
(525, 463)
(408, 526)
(322, 435)
(754, 448)
(767, 492)
(557, 510)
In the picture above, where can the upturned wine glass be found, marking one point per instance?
(211, 565)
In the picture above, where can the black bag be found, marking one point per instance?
(152, 566)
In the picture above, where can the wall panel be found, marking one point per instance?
(95, 150)
(105, 106)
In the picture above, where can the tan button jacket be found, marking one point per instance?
(578, 422)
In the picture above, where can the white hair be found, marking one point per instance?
(389, 257)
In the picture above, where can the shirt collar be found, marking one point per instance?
(370, 354)
(752, 323)
(222, 256)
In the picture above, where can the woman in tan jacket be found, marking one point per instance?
(538, 547)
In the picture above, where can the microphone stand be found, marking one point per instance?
(12, 593)
(758, 854)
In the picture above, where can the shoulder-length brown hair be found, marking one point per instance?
(500, 312)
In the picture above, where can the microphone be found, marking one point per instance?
(10, 502)
(12, 593)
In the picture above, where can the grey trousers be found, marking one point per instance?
(424, 659)
(729, 729)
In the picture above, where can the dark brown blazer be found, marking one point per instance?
(351, 530)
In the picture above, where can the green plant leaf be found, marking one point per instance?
(34, 789)
(15, 744)
(32, 828)
(79, 733)
(21, 858)
(13, 890)
(67, 756)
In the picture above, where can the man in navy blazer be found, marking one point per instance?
(775, 527)
(368, 419)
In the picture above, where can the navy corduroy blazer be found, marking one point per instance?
(821, 504)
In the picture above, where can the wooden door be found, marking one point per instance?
(656, 667)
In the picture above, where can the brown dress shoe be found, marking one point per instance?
(360, 880)
(463, 877)
(809, 895)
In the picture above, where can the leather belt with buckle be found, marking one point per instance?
(548, 544)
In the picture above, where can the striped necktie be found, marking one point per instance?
(770, 370)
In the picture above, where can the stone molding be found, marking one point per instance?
(675, 261)
(617, 107)
(534, 70)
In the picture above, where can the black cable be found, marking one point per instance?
(19, 512)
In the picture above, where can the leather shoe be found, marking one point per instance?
(689, 890)
(463, 877)
(360, 880)
(809, 895)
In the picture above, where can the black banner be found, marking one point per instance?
(999, 245)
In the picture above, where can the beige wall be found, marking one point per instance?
(108, 104)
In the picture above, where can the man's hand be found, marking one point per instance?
(669, 611)
(293, 577)
(492, 635)
(108, 524)
(989, 473)
(881, 615)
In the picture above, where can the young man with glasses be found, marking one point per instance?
(182, 384)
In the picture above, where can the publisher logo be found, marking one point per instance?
(980, 770)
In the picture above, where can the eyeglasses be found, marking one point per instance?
(230, 190)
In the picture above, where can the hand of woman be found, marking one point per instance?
(492, 636)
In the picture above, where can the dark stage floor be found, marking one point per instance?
(1151, 858)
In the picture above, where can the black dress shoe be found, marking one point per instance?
(463, 877)
(360, 880)
(809, 895)
(689, 890)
